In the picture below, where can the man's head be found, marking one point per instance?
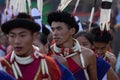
(21, 33)
(63, 26)
(101, 40)
(64, 17)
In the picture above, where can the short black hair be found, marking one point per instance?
(63, 17)
(101, 36)
(45, 30)
(42, 38)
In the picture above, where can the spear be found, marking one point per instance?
(63, 4)
(40, 6)
(92, 14)
(76, 5)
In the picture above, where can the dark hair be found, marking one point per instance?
(87, 35)
(85, 25)
(45, 30)
(42, 38)
(63, 17)
(24, 16)
(101, 36)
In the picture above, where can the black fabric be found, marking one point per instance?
(36, 17)
(20, 23)
(106, 5)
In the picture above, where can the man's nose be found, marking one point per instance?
(17, 40)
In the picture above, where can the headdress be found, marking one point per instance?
(105, 14)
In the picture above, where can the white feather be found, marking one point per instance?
(65, 5)
(76, 5)
(29, 5)
(40, 6)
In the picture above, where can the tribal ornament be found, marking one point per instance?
(66, 52)
(27, 60)
(105, 14)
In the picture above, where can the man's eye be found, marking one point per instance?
(22, 35)
(11, 35)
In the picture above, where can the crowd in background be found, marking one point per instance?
(45, 39)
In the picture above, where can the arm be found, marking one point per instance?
(92, 67)
(113, 59)
(111, 75)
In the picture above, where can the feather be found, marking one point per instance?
(40, 6)
(29, 5)
(105, 14)
(22, 6)
(76, 5)
(63, 4)
(92, 14)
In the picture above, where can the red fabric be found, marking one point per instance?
(1, 48)
(29, 71)
(72, 65)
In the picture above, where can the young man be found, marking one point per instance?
(81, 61)
(101, 43)
(42, 43)
(24, 62)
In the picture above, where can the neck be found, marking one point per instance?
(67, 44)
(75, 48)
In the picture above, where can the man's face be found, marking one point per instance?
(61, 33)
(100, 48)
(21, 41)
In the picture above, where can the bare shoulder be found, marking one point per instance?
(87, 52)
(89, 55)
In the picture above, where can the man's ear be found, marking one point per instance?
(72, 31)
(35, 35)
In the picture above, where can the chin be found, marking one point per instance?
(58, 43)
